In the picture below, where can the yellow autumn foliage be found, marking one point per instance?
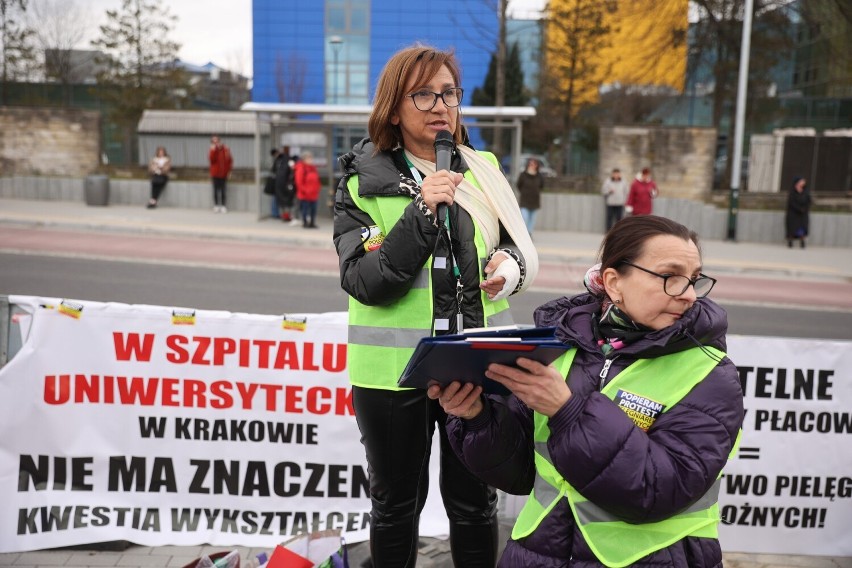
(645, 46)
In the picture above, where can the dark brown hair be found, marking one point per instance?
(625, 241)
(420, 62)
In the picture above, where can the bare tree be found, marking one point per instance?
(236, 61)
(290, 77)
(60, 26)
(717, 39)
(16, 46)
(469, 23)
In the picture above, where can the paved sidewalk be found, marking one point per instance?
(753, 259)
(815, 264)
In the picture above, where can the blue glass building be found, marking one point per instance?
(332, 51)
(527, 35)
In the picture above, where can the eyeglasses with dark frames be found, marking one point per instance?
(675, 284)
(426, 100)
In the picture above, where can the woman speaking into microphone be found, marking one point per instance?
(408, 277)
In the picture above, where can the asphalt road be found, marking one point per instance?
(240, 289)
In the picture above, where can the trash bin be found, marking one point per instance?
(96, 190)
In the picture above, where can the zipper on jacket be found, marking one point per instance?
(605, 371)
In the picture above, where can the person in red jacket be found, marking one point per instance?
(221, 164)
(643, 190)
(307, 189)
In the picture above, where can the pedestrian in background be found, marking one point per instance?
(308, 187)
(159, 168)
(221, 164)
(530, 184)
(269, 184)
(614, 191)
(643, 191)
(284, 187)
(797, 216)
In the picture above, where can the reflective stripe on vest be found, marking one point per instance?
(382, 338)
(614, 542)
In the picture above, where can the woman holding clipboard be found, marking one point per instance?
(624, 437)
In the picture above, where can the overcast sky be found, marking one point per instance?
(221, 31)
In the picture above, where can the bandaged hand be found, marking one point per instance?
(503, 275)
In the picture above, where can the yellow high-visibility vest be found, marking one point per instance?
(660, 383)
(382, 338)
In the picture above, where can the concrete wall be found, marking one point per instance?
(681, 158)
(49, 141)
(583, 213)
(178, 194)
(586, 214)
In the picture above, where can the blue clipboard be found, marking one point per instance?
(465, 357)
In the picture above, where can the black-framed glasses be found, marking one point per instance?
(426, 100)
(675, 284)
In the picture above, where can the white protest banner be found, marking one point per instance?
(789, 491)
(168, 426)
(164, 426)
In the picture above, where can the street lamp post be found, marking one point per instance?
(336, 43)
(739, 122)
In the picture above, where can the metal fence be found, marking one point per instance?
(824, 160)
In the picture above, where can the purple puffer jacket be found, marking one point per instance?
(637, 476)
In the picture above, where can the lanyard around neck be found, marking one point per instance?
(455, 265)
(419, 179)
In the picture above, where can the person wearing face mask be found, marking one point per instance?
(624, 437)
(409, 276)
(614, 191)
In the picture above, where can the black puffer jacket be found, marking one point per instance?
(387, 274)
(637, 476)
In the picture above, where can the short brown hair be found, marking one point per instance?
(418, 61)
(625, 241)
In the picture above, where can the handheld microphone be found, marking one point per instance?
(444, 146)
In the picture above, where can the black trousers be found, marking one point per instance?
(396, 430)
(158, 184)
(309, 212)
(219, 188)
(614, 213)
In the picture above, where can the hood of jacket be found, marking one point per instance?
(376, 175)
(705, 323)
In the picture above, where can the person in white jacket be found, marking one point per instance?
(614, 191)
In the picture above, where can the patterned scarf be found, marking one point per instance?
(615, 329)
